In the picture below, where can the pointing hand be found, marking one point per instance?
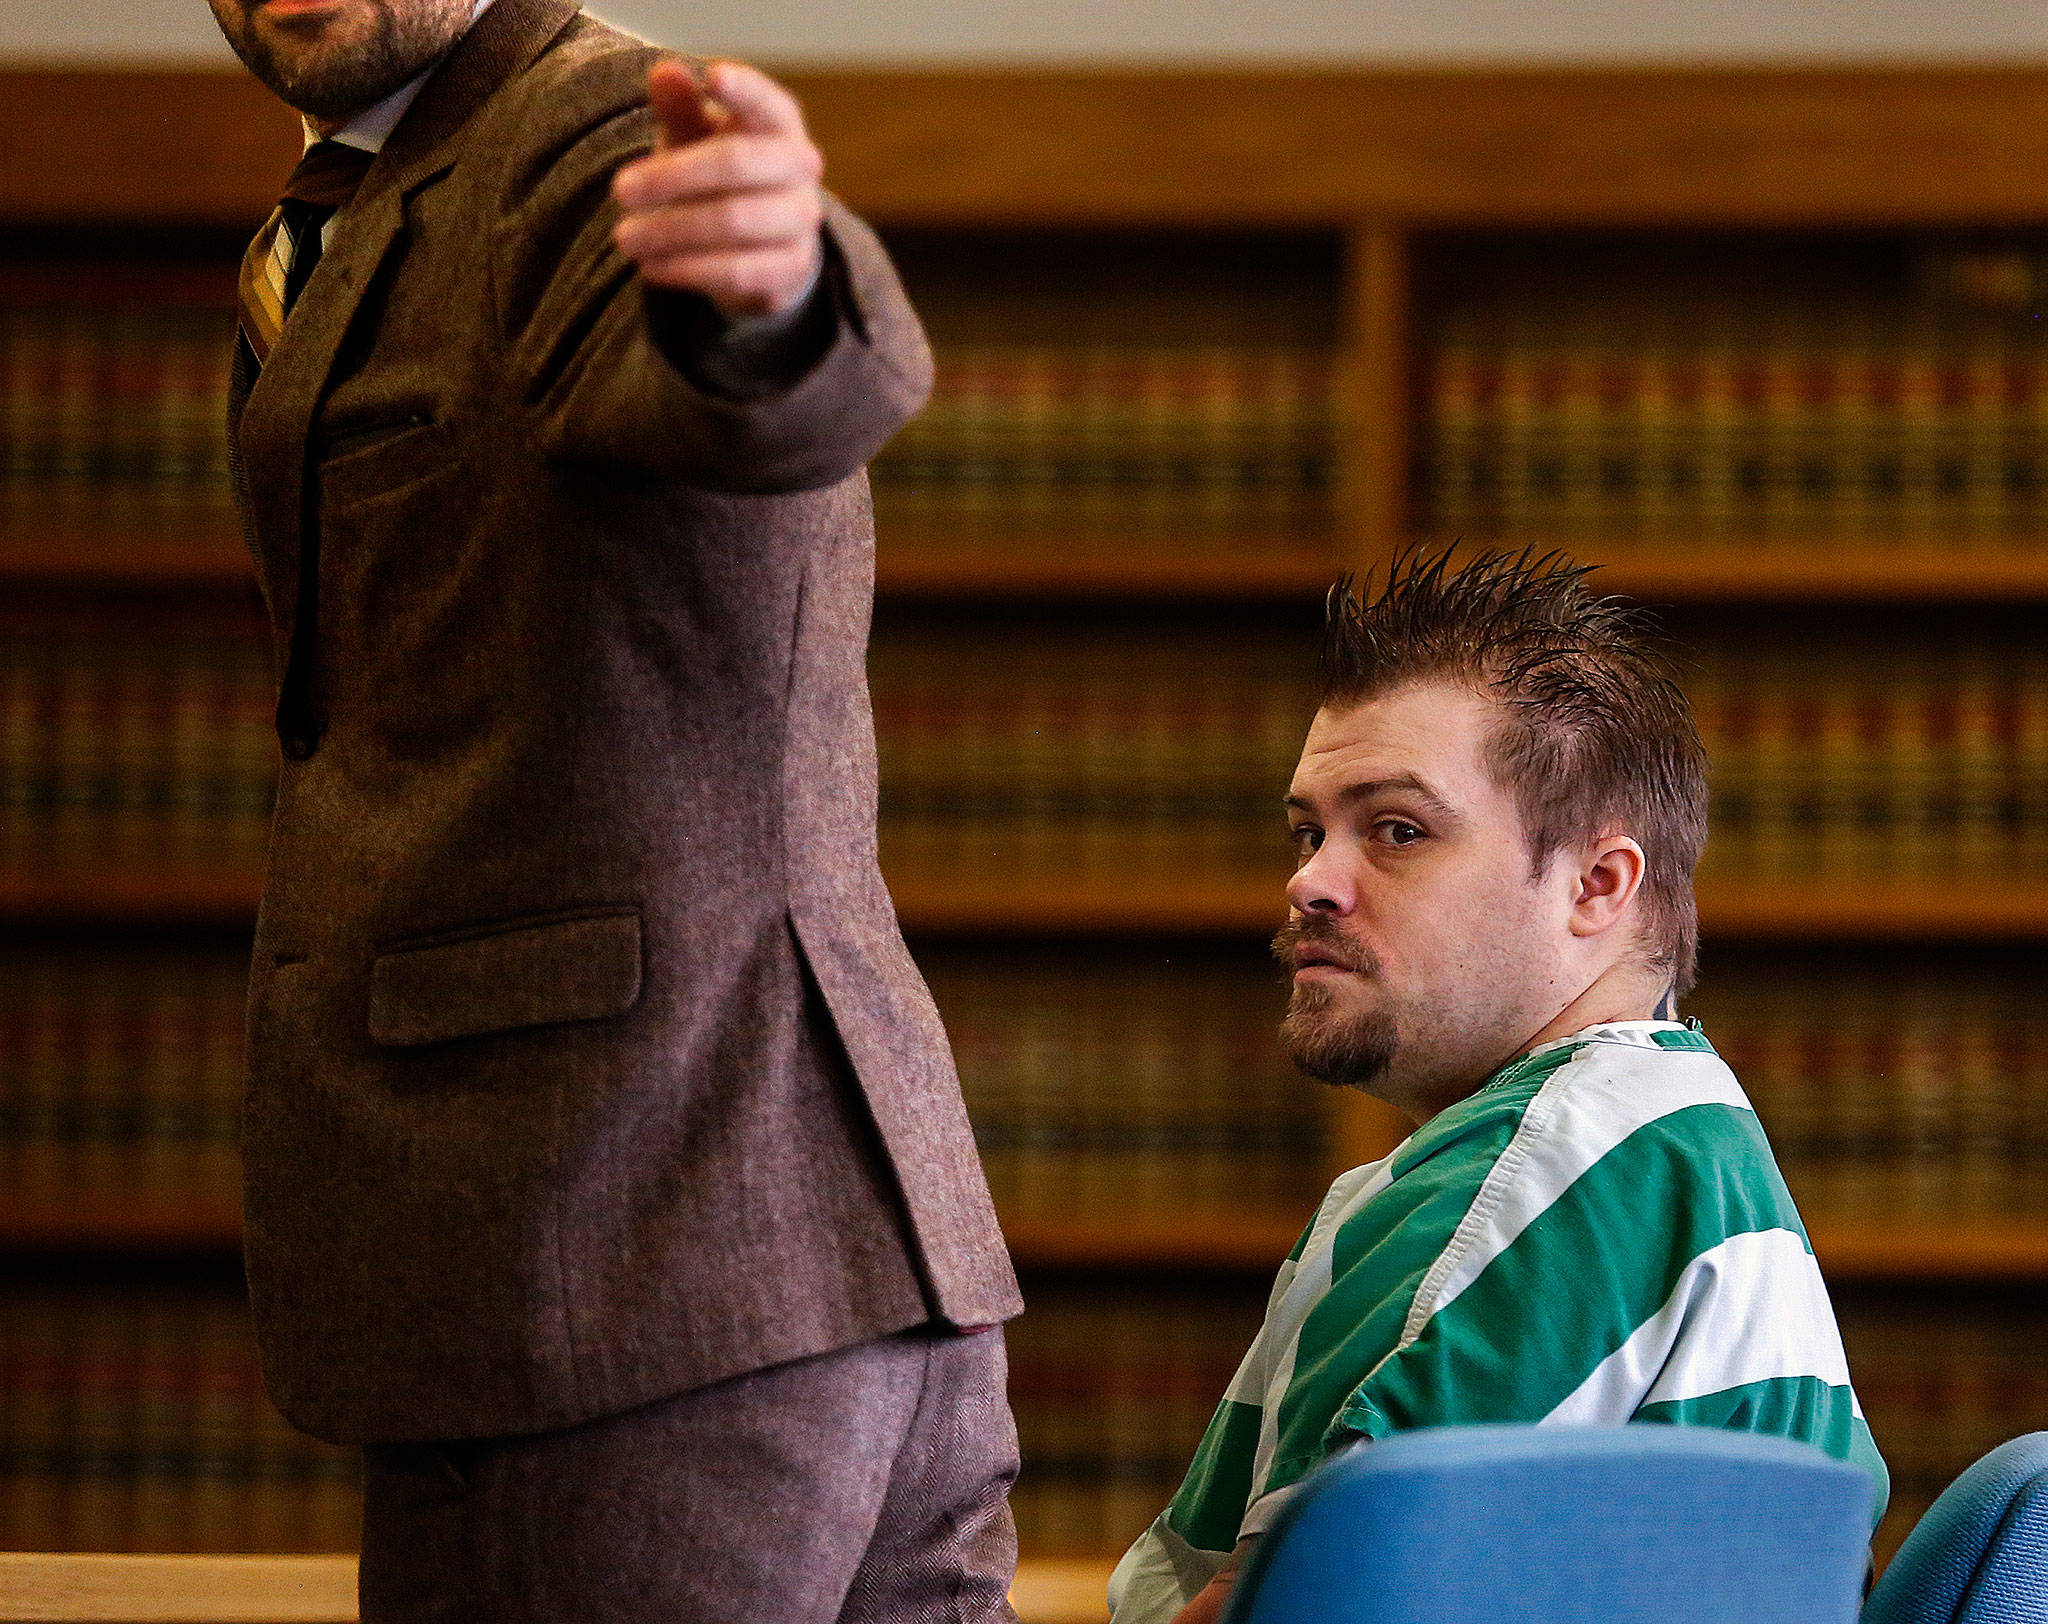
(728, 204)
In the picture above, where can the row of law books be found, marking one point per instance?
(1113, 1384)
(1759, 416)
(1944, 1376)
(1550, 406)
(128, 739)
(1879, 753)
(1093, 750)
(1912, 1089)
(1215, 439)
(133, 1418)
(121, 1083)
(1148, 1080)
(1884, 750)
(112, 414)
(1145, 1079)
(1124, 1078)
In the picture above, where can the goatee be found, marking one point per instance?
(1343, 1051)
(332, 81)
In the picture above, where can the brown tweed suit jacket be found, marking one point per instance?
(573, 922)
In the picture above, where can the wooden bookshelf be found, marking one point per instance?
(1375, 157)
(1206, 1240)
(1537, 147)
(1382, 164)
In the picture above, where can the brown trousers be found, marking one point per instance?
(867, 1486)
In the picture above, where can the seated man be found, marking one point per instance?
(1496, 818)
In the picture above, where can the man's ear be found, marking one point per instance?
(1609, 875)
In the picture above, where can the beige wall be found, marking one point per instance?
(826, 31)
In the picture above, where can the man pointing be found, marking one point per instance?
(607, 1175)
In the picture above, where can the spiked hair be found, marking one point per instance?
(1594, 736)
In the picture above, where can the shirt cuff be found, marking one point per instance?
(753, 358)
(767, 329)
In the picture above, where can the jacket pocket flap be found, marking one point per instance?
(513, 975)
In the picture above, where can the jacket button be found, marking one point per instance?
(299, 746)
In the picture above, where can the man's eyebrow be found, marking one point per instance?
(1371, 789)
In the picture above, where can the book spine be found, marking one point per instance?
(136, 1421)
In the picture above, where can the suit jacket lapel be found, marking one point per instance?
(270, 431)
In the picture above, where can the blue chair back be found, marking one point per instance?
(1980, 1555)
(1566, 1525)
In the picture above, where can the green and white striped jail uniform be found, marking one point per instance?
(1599, 1235)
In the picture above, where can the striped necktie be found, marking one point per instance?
(288, 247)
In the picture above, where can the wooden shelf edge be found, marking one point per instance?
(912, 563)
(224, 898)
(26, 1227)
(137, 573)
(1921, 912)
(1926, 1251)
(926, 908)
(113, 550)
(906, 574)
(1903, 913)
(1251, 1242)
(1081, 907)
(1257, 571)
(1685, 570)
(1258, 1243)
(1657, 145)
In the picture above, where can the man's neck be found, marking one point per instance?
(1621, 993)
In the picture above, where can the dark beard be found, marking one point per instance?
(1343, 1053)
(333, 83)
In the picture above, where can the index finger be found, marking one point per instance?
(677, 95)
(758, 105)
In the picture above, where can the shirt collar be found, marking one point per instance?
(1635, 1034)
(1639, 1033)
(370, 128)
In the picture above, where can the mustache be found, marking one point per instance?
(1312, 930)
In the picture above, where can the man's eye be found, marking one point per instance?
(1307, 840)
(1398, 831)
